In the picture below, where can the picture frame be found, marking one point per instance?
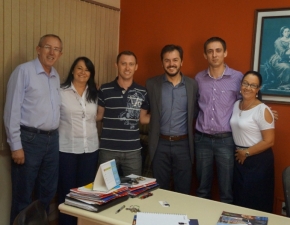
(271, 53)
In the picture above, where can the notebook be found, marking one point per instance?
(144, 218)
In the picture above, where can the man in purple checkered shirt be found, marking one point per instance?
(219, 88)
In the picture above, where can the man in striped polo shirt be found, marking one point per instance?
(122, 104)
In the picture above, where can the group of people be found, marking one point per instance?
(52, 133)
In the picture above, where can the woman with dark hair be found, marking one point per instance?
(78, 135)
(252, 124)
(280, 61)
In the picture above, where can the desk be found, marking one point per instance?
(206, 211)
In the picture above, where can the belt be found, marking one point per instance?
(38, 131)
(215, 136)
(173, 138)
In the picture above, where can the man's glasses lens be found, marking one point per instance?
(48, 48)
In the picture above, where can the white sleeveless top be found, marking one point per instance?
(247, 127)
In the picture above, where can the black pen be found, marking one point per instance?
(120, 209)
(166, 204)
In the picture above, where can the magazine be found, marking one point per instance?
(241, 219)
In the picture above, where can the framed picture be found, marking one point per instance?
(271, 53)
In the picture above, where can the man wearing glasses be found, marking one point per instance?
(31, 118)
(219, 88)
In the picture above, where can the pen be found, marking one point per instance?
(120, 209)
(146, 195)
(166, 203)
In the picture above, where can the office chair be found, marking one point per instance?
(34, 214)
(286, 186)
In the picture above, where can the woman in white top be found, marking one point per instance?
(252, 124)
(78, 135)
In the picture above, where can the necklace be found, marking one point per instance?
(241, 110)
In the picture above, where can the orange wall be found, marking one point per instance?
(147, 25)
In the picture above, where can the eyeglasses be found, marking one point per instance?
(246, 85)
(49, 48)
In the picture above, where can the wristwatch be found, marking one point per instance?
(247, 154)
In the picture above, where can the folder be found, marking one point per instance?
(93, 207)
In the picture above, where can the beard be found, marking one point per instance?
(172, 74)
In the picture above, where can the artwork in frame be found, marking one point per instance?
(271, 53)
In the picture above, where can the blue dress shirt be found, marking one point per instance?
(173, 120)
(32, 100)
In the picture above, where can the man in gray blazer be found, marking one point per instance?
(173, 105)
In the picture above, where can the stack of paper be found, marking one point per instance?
(86, 198)
(160, 218)
(141, 185)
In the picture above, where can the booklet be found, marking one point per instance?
(137, 192)
(88, 190)
(241, 219)
(144, 218)
(107, 177)
(191, 221)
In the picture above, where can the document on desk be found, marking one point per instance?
(107, 177)
(144, 218)
(241, 219)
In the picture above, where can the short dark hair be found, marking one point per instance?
(171, 48)
(214, 39)
(92, 92)
(259, 76)
(126, 53)
(48, 35)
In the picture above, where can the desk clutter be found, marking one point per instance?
(107, 189)
(95, 201)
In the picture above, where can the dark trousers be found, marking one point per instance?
(39, 173)
(254, 182)
(173, 158)
(221, 152)
(75, 170)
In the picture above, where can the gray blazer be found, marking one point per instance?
(154, 86)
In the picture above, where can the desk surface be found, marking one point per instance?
(206, 211)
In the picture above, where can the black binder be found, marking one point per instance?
(94, 207)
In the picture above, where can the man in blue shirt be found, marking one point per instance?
(172, 98)
(31, 118)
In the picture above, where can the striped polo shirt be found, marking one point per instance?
(121, 117)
